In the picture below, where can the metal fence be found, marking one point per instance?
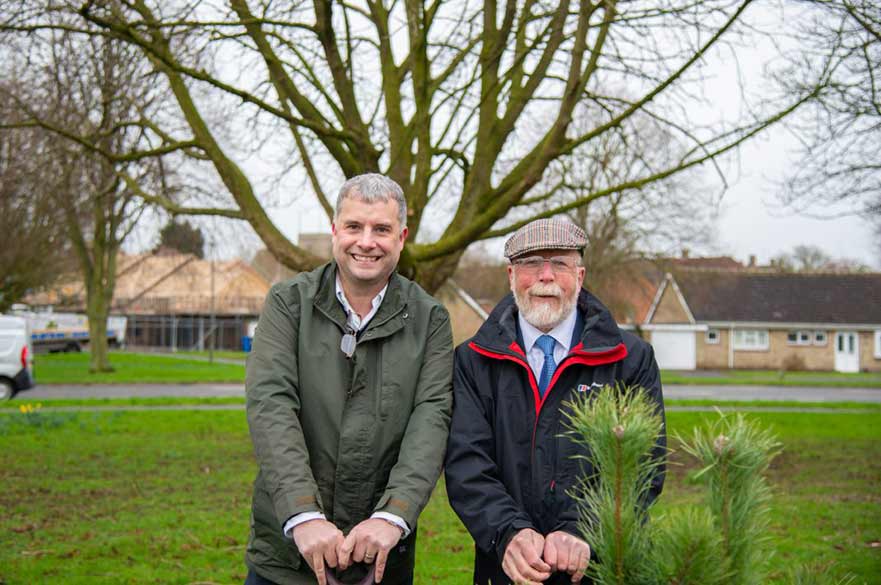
(187, 332)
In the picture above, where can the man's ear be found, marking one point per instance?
(511, 277)
(404, 233)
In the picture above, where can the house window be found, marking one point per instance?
(751, 339)
(819, 338)
(712, 336)
(878, 344)
(800, 338)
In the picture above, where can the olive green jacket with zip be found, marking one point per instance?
(344, 436)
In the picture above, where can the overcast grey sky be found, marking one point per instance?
(751, 219)
(752, 223)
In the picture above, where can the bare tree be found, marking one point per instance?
(91, 95)
(35, 246)
(838, 50)
(466, 104)
(813, 259)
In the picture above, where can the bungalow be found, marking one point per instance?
(758, 320)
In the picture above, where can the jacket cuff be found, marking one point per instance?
(507, 534)
(397, 506)
(289, 505)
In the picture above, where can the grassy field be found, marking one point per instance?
(774, 378)
(73, 368)
(163, 497)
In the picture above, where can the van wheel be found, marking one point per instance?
(6, 390)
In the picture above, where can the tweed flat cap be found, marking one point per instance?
(545, 234)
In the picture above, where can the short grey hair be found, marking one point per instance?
(372, 187)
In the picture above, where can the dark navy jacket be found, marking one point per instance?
(508, 464)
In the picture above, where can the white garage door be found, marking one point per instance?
(675, 350)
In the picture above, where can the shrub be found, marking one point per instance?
(793, 363)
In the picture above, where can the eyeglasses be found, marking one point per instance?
(535, 264)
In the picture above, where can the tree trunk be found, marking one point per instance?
(433, 274)
(97, 310)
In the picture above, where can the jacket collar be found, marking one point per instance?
(387, 319)
(598, 334)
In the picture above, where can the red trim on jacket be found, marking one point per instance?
(504, 356)
(576, 356)
(516, 348)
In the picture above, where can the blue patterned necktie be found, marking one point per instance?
(546, 344)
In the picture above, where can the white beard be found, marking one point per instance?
(543, 315)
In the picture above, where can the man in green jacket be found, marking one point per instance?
(348, 399)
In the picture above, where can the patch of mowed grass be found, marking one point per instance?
(221, 353)
(774, 378)
(129, 368)
(146, 497)
(107, 403)
(826, 484)
(163, 497)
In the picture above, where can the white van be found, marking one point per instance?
(16, 356)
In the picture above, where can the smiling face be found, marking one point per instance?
(547, 294)
(367, 242)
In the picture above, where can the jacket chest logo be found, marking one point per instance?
(585, 387)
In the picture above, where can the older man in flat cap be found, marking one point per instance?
(509, 468)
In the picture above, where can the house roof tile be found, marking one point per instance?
(782, 298)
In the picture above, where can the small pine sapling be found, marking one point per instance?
(735, 453)
(620, 427)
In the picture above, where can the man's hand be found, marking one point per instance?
(523, 563)
(566, 554)
(369, 541)
(318, 541)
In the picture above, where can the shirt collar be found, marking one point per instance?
(350, 312)
(562, 333)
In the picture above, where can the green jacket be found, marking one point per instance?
(346, 437)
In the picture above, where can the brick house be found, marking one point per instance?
(759, 320)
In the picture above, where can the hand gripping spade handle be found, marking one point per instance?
(367, 580)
